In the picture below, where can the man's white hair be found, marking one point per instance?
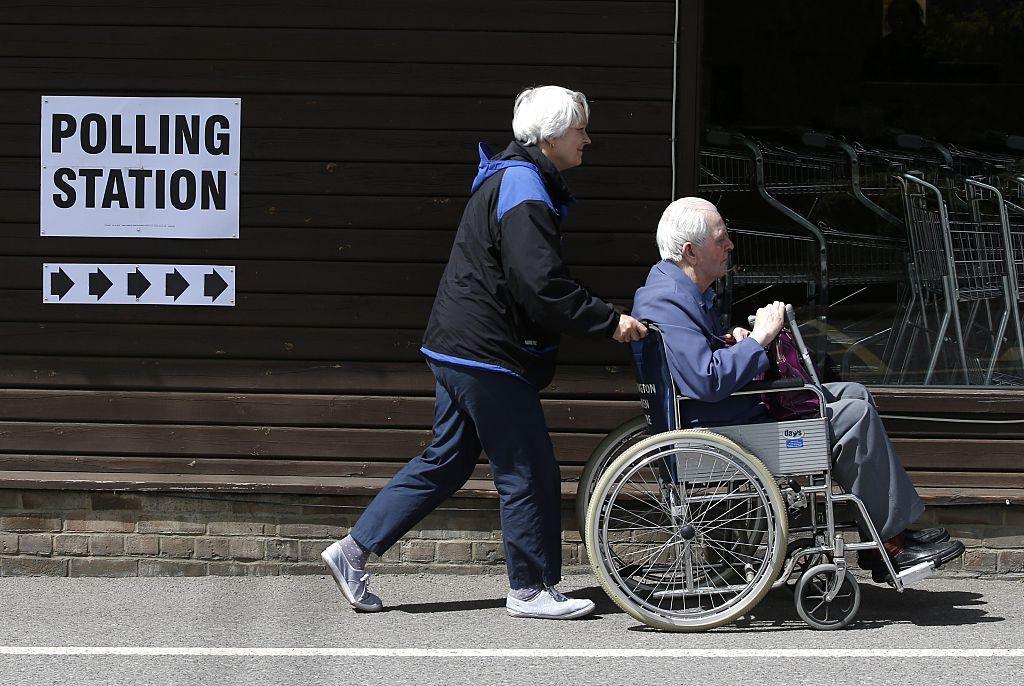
(684, 221)
(547, 112)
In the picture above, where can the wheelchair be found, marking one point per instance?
(688, 529)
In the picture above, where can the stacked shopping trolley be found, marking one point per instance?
(941, 226)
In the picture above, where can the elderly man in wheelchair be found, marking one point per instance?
(690, 527)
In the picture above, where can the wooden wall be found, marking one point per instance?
(360, 123)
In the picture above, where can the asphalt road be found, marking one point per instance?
(425, 612)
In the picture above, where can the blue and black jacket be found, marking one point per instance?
(506, 295)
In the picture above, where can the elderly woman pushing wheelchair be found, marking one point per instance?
(491, 342)
(709, 364)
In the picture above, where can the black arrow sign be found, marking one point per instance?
(213, 285)
(137, 284)
(60, 283)
(176, 284)
(99, 284)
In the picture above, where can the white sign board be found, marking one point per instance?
(139, 284)
(139, 167)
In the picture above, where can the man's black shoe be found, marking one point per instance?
(938, 553)
(935, 534)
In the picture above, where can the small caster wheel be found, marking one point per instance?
(811, 605)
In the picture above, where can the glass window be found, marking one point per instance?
(870, 159)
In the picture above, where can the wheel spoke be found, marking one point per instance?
(643, 508)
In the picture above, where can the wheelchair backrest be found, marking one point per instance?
(654, 381)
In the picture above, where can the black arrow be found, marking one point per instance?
(214, 284)
(60, 283)
(176, 284)
(99, 284)
(137, 283)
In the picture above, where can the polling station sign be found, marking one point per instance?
(139, 167)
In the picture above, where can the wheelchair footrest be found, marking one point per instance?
(916, 573)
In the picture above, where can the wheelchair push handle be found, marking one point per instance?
(805, 357)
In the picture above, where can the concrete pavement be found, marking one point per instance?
(442, 611)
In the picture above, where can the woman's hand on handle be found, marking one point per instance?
(629, 330)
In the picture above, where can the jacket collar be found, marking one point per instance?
(704, 300)
(553, 178)
(518, 154)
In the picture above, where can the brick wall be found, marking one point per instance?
(79, 533)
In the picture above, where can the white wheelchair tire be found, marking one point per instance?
(747, 600)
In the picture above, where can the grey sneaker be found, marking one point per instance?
(351, 581)
(549, 604)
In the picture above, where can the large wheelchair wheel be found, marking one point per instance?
(686, 531)
(621, 437)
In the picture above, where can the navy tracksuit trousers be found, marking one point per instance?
(481, 409)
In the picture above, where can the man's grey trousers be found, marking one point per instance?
(865, 463)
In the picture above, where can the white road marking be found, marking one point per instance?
(171, 651)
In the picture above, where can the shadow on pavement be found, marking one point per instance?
(879, 606)
(495, 603)
(448, 606)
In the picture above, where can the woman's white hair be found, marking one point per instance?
(683, 221)
(547, 112)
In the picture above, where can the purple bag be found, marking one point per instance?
(784, 362)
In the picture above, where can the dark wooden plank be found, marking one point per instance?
(325, 376)
(248, 342)
(265, 276)
(513, 15)
(363, 411)
(387, 111)
(363, 145)
(598, 416)
(398, 412)
(935, 495)
(368, 145)
(367, 212)
(353, 411)
(961, 427)
(261, 309)
(226, 484)
(330, 45)
(321, 244)
(209, 77)
(960, 455)
(386, 179)
(276, 376)
(190, 483)
(403, 412)
(366, 486)
(248, 468)
(919, 400)
(974, 481)
(186, 440)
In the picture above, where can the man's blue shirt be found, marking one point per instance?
(703, 368)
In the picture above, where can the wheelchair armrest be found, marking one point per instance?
(777, 385)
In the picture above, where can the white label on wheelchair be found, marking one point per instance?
(785, 448)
